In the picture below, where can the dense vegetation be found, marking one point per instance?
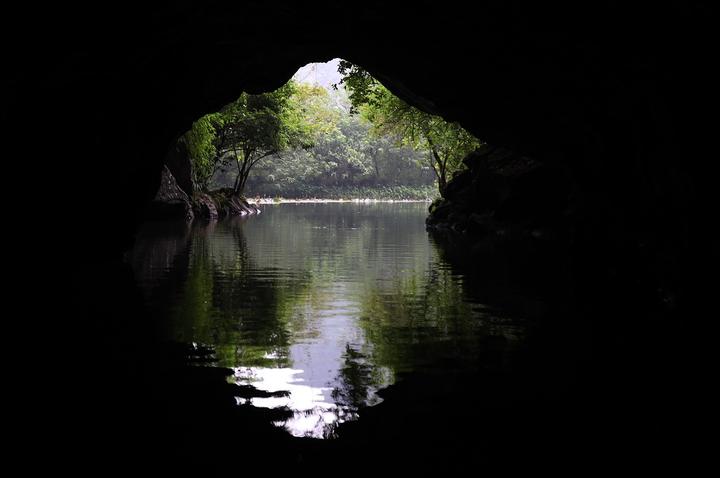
(248, 130)
(346, 160)
(445, 143)
(304, 141)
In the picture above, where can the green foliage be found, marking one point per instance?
(200, 142)
(446, 143)
(258, 126)
(305, 191)
(362, 87)
(314, 109)
(347, 161)
(304, 141)
(252, 128)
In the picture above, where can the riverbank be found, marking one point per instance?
(171, 201)
(348, 192)
(258, 201)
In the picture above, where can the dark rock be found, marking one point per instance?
(624, 114)
(239, 206)
(170, 201)
(536, 195)
(502, 191)
(205, 207)
(178, 161)
(439, 211)
(223, 203)
(458, 184)
(230, 204)
(248, 391)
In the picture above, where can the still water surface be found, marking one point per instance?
(328, 302)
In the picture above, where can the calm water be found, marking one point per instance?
(328, 302)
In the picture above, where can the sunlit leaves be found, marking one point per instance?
(446, 143)
(200, 142)
(252, 128)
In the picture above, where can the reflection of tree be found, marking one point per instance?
(224, 301)
(160, 260)
(253, 291)
(416, 317)
(158, 247)
(358, 380)
(357, 376)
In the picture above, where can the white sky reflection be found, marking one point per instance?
(316, 360)
(313, 406)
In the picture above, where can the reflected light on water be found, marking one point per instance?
(314, 408)
(329, 303)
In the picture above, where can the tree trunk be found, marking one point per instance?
(439, 166)
(377, 168)
(243, 180)
(239, 173)
(248, 163)
(243, 170)
(442, 184)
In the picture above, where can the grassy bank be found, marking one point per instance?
(397, 193)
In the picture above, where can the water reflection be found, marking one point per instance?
(326, 302)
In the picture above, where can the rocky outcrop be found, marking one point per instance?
(230, 204)
(223, 203)
(205, 207)
(504, 194)
(179, 164)
(170, 201)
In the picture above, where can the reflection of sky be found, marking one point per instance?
(326, 266)
(313, 407)
(316, 360)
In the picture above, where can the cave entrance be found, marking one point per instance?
(338, 156)
(332, 132)
(316, 305)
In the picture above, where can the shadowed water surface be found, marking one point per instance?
(330, 303)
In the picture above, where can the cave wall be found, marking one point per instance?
(614, 94)
(611, 92)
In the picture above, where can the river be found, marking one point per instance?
(326, 305)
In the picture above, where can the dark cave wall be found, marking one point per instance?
(615, 95)
(609, 92)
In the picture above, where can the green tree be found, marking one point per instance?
(255, 127)
(200, 143)
(346, 158)
(446, 143)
